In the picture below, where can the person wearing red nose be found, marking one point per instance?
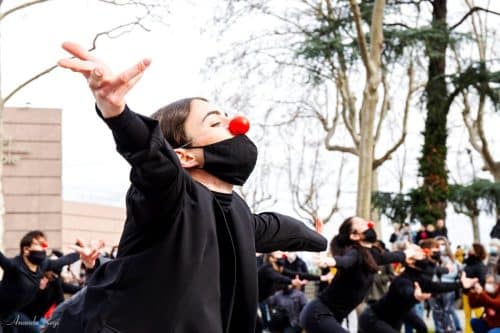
(22, 274)
(357, 261)
(186, 257)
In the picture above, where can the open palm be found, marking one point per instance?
(109, 89)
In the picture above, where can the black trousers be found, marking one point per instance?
(316, 317)
(369, 322)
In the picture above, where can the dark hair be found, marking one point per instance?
(172, 119)
(428, 243)
(479, 250)
(28, 239)
(342, 241)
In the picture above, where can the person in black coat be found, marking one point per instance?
(22, 274)
(186, 257)
(357, 262)
(474, 263)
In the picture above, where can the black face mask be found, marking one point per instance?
(370, 235)
(280, 262)
(436, 255)
(230, 160)
(37, 257)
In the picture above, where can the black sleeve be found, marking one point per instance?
(268, 273)
(347, 260)
(155, 166)
(404, 288)
(58, 263)
(5, 262)
(430, 286)
(386, 257)
(302, 275)
(274, 232)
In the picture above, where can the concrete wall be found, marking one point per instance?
(91, 222)
(32, 186)
(32, 175)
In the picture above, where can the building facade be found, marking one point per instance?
(32, 186)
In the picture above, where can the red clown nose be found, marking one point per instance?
(239, 125)
(371, 224)
(427, 251)
(44, 245)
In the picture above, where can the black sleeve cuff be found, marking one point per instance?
(117, 122)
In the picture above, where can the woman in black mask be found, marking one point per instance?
(189, 242)
(356, 261)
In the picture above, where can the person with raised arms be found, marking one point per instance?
(186, 258)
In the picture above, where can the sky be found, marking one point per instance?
(92, 170)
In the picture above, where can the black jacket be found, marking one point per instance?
(167, 276)
(475, 268)
(400, 298)
(19, 284)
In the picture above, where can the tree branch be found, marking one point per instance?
(470, 12)
(28, 81)
(362, 44)
(22, 6)
(342, 149)
(108, 33)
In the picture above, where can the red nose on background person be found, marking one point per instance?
(427, 252)
(371, 224)
(44, 245)
(239, 125)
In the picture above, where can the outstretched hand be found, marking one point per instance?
(109, 89)
(88, 255)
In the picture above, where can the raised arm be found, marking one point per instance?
(58, 263)
(274, 231)
(346, 260)
(387, 257)
(155, 166)
(5, 262)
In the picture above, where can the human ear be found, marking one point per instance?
(188, 158)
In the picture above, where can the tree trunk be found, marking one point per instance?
(375, 213)
(371, 61)
(475, 228)
(431, 203)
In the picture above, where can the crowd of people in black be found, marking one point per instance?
(386, 291)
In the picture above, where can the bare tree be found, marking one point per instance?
(280, 55)
(311, 184)
(146, 9)
(474, 118)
